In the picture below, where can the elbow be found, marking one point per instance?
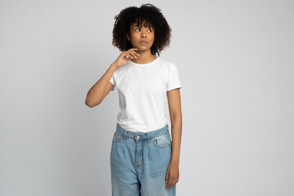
(90, 104)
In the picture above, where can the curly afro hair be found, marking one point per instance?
(152, 16)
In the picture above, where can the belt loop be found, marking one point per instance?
(125, 134)
(148, 136)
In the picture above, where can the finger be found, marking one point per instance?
(134, 54)
(173, 182)
(127, 56)
(124, 54)
(166, 177)
(170, 183)
(132, 49)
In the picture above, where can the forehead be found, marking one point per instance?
(146, 24)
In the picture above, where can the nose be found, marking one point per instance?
(143, 32)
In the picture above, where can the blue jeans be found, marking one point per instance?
(139, 162)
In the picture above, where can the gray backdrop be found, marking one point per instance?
(235, 60)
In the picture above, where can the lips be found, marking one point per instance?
(143, 42)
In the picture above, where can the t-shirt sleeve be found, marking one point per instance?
(173, 78)
(112, 81)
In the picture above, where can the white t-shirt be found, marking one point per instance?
(142, 90)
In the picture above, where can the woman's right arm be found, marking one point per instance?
(99, 90)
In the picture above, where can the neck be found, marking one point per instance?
(145, 57)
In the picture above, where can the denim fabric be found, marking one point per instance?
(139, 162)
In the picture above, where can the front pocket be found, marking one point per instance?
(116, 137)
(161, 141)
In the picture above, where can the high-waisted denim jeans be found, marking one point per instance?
(139, 162)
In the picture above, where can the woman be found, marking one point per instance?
(144, 159)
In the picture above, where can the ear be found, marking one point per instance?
(128, 37)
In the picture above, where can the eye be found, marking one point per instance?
(139, 29)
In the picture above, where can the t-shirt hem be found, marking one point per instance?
(173, 88)
(113, 87)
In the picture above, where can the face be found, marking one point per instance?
(139, 34)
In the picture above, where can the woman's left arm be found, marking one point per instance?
(175, 112)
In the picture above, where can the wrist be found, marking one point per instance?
(113, 66)
(175, 161)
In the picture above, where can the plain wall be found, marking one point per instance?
(235, 61)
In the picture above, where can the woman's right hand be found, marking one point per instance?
(122, 59)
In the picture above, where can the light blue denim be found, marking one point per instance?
(139, 162)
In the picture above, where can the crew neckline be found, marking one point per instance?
(145, 64)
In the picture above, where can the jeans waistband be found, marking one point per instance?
(141, 135)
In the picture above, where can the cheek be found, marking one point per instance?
(135, 35)
(152, 36)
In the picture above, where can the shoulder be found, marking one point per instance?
(165, 61)
(121, 69)
(167, 64)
